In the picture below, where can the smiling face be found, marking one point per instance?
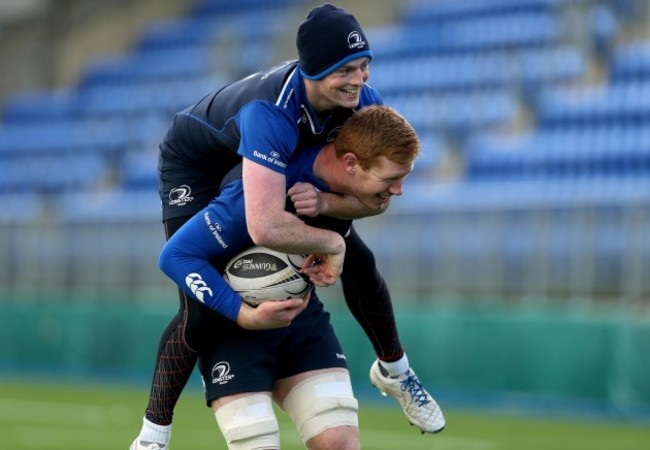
(340, 88)
(374, 186)
(377, 148)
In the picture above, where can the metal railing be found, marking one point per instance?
(509, 251)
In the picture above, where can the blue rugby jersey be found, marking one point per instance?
(264, 117)
(214, 235)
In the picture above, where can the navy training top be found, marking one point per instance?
(264, 117)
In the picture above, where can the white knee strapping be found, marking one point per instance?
(249, 423)
(322, 402)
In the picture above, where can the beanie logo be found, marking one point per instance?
(355, 40)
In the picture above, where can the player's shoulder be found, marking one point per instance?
(267, 84)
(370, 96)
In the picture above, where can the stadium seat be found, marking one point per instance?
(109, 206)
(20, 207)
(40, 106)
(52, 173)
(139, 170)
(182, 32)
(150, 65)
(504, 86)
(622, 101)
(34, 137)
(221, 7)
(442, 10)
(632, 61)
(618, 151)
(456, 111)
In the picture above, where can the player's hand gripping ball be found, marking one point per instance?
(260, 274)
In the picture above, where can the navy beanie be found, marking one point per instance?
(328, 39)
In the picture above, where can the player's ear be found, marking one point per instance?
(350, 162)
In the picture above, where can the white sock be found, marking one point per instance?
(151, 432)
(396, 368)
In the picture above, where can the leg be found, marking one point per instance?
(174, 365)
(325, 421)
(237, 367)
(247, 421)
(175, 362)
(367, 296)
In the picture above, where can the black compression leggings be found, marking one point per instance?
(367, 297)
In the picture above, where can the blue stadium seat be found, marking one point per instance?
(623, 101)
(184, 32)
(52, 173)
(115, 99)
(48, 105)
(458, 111)
(139, 169)
(504, 31)
(109, 206)
(527, 67)
(147, 131)
(433, 148)
(567, 152)
(550, 64)
(20, 207)
(102, 135)
(632, 61)
(224, 7)
(150, 65)
(33, 138)
(426, 11)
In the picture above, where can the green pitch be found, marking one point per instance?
(71, 417)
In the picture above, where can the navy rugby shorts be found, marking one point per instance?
(234, 360)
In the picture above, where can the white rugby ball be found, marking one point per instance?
(260, 274)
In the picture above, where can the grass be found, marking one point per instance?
(84, 416)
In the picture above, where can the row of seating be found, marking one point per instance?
(421, 201)
(92, 135)
(522, 195)
(508, 31)
(631, 61)
(122, 107)
(562, 152)
(149, 96)
(418, 11)
(449, 110)
(530, 66)
(53, 173)
(620, 101)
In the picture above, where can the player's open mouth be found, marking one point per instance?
(350, 92)
(383, 198)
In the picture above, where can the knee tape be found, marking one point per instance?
(322, 402)
(249, 423)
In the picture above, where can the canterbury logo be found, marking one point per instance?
(198, 286)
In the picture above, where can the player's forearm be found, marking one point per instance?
(198, 278)
(286, 233)
(345, 207)
(269, 225)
